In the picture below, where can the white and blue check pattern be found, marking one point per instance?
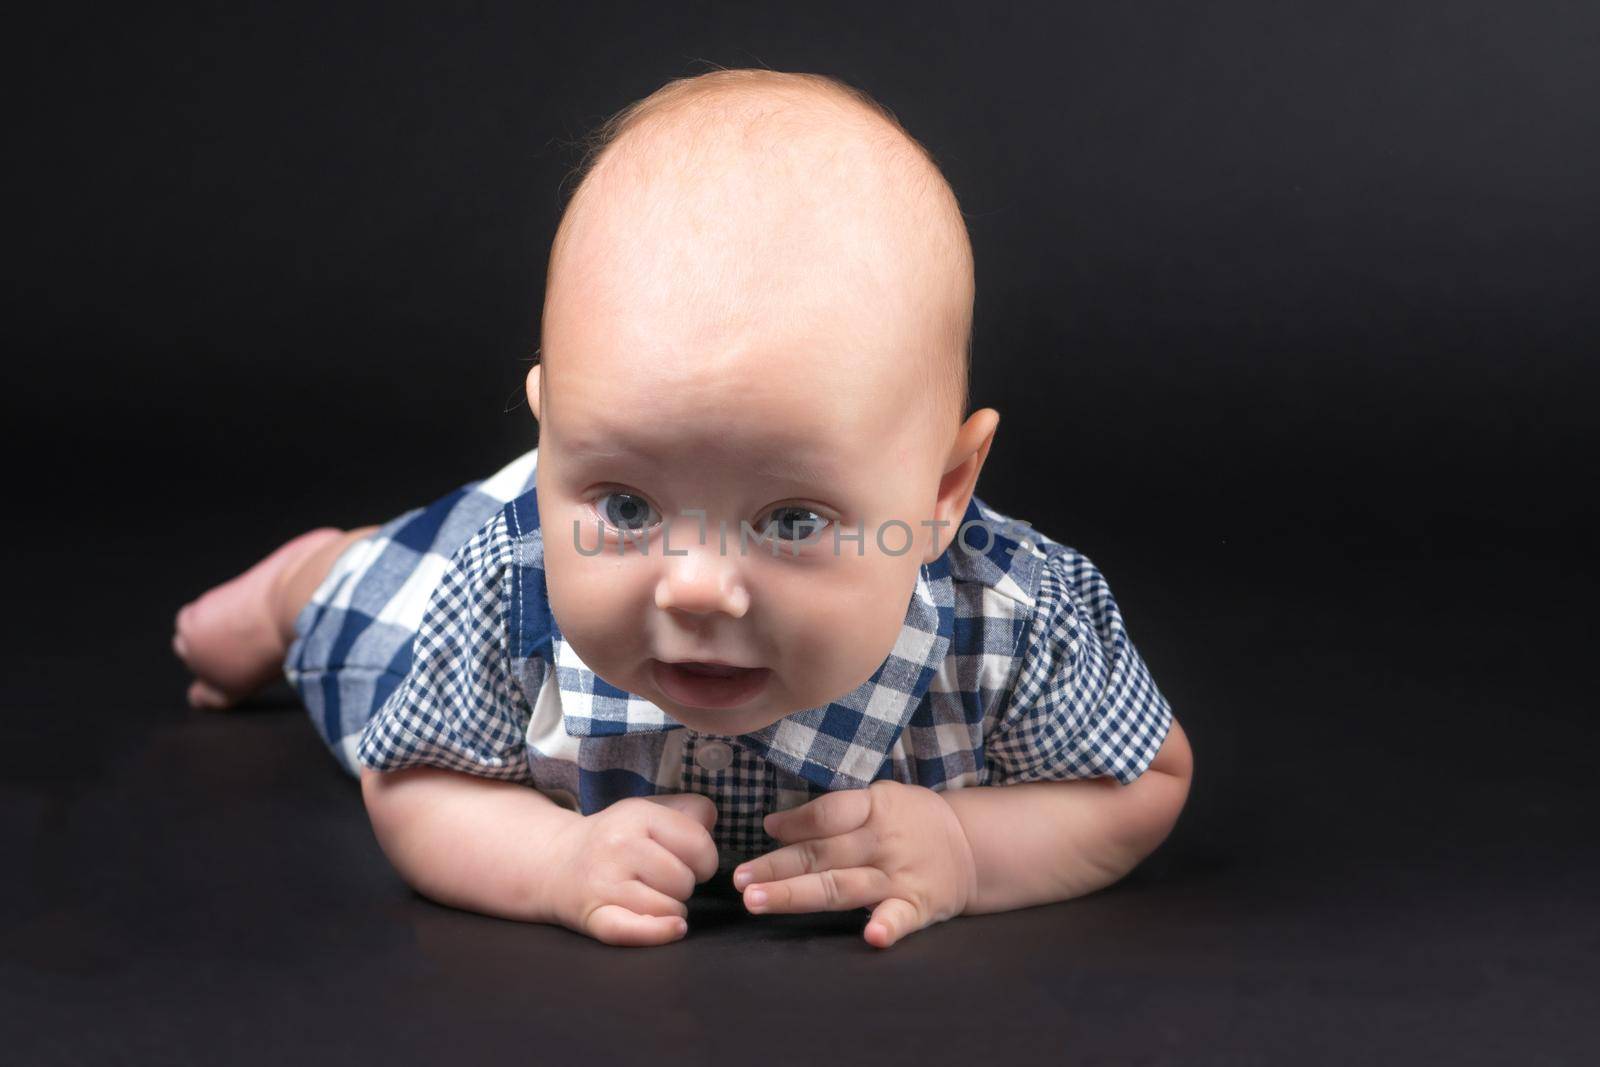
(354, 639)
(1013, 665)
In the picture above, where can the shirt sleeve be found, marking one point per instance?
(1084, 704)
(458, 707)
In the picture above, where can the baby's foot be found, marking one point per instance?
(230, 636)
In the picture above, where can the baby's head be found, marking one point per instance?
(757, 322)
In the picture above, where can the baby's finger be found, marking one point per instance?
(702, 809)
(659, 868)
(832, 890)
(616, 925)
(854, 849)
(641, 899)
(891, 920)
(829, 815)
(688, 839)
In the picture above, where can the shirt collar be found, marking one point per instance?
(841, 745)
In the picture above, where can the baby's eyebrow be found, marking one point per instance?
(601, 448)
(789, 467)
(780, 465)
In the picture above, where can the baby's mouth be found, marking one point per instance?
(709, 685)
(711, 670)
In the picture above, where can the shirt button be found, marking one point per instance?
(713, 755)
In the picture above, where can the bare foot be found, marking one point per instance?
(230, 636)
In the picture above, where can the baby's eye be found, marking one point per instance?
(794, 523)
(628, 512)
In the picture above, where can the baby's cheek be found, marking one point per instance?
(590, 595)
(839, 626)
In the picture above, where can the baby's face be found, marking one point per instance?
(654, 422)
(737, 338)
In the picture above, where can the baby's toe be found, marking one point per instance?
(204, 695)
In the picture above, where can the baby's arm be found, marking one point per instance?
(469, 842)
(1040, 842)
(504, 849)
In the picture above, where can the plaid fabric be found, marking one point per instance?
(739, 781)
(353, 639)
(1084, 705)
(1013, 664)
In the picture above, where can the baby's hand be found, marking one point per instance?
(622, 874)
(898, 849)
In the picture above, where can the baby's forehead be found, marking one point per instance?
(742, 243)
(761, 399)
(741, 351)
(759, 243)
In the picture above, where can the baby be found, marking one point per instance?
(741, 607)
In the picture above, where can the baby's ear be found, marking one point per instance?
(535, 380)
(960, 478)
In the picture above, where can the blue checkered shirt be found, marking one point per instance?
(1013, 665)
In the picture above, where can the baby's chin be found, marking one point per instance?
(727, 723)
(776, 701)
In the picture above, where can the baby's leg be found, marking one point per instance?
(234, 637)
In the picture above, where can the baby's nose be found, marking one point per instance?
(700, 583)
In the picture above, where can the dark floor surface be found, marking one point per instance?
(1389, 856)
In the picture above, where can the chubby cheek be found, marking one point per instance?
(592, 598)
(839, 626)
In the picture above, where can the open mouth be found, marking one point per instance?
(709, 685)
(710, 670)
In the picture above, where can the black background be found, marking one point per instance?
(1289, 314)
